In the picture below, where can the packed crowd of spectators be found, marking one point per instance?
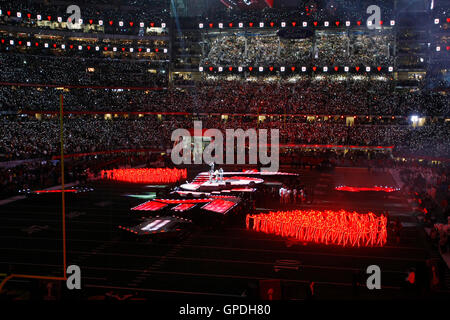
(329, 48)
(156, 11)
(20, 68)
(429, 187)
(90, 48)
(238, 50)
(24, 137)
(307, 97)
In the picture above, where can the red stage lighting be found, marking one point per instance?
(219, 205)
(150, 206)
(341, 228)
(53, 191)
(146, 175)
(359, 189)
(184, 201)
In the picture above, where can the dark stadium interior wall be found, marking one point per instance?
(288, 3)
(195, 8)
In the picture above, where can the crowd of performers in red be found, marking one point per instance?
(146, 175)
(360, 189)
(341, 228)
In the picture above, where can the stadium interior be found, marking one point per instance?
(91, 93)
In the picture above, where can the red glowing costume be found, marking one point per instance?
(146, 175)
(329, 227)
